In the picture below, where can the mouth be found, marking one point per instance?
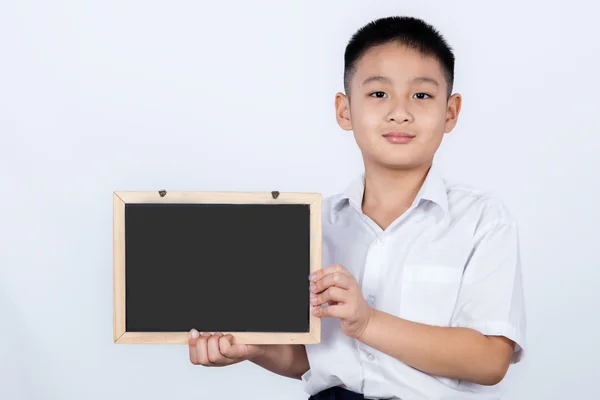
(399, 137)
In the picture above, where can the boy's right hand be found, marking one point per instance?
(218, 350)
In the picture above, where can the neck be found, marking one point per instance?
(390, 192)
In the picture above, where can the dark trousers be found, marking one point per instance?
(336, 393)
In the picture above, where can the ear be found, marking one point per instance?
(452, 111)
(342, 111)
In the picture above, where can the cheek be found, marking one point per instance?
(431, 120)
(431, 124)
(366, 120)
(366, 130)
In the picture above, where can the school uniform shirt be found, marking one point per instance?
(451, 260)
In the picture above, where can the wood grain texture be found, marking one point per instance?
(118, 267)
(121, 198)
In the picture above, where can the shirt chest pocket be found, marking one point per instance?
(429, 292)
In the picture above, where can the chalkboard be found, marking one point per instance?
(231, 262)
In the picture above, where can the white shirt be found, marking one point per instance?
(452, 259)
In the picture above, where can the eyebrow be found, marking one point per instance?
(377, 78)
(425, 79)
(384, 79)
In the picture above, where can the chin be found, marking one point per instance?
(395, 164)
(401, 166)
(395, 159)
(406, 162)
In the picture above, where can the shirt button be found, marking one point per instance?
(380, 241)
(370, 299)
(370, 356)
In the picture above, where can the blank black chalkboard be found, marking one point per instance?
(218, 262)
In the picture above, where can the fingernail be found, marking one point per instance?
(194, 333)
(313, 299)
(312, 287)
(311, 276)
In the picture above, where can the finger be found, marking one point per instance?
(214, 353)
(202, 349)
(320, 273)
(335, 311)
(230, 350)
(338, 279)
(332, 294)
(193, 338)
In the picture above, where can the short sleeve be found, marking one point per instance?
(491, 298)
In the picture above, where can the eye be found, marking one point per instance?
(378, 94)
(420, 96)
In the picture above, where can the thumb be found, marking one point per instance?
(330, 311)
(231, 350)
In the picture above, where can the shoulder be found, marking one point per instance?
(482, 209)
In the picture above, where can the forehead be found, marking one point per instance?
(397, 62)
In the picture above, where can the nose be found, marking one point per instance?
(399, 112)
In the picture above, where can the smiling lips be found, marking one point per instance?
(399, 137)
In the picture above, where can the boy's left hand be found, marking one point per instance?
(337, 287)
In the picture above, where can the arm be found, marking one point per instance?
(452, 352)
(456, 353)
(217, 350)
(481, 341)
(286, 360)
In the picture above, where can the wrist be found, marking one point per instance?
(364, 333)
(256, 352)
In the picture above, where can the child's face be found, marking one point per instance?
(388, 95)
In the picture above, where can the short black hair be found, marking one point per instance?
(408, 31)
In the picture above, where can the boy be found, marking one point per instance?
(421, 294)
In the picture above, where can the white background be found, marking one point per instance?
(183, 95)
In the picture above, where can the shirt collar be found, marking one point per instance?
(433, 190)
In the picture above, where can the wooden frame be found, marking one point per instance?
(121, 198)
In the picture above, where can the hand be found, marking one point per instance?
(218, 350)
(337, 287)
